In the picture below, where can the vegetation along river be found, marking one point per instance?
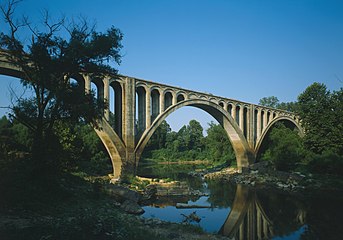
(243, 212)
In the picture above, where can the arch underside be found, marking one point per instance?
(243, 152)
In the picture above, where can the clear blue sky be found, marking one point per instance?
(243, 50)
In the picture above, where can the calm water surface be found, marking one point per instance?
(249, 213)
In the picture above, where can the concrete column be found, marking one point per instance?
(225, 106)
(233, 113)
(265, 119)
(241, 118)
(148, 108)
(129, 164)
(270, 116)
(258, 124)
(88, 82)
(106, 98)
(161, 101)
(174, 98)
(250, 126)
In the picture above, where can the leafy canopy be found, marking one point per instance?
(48, 58)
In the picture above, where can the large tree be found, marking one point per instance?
(54, 54)
(321, 112)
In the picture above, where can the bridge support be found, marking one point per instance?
(129, 135)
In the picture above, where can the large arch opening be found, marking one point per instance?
(241, 150)
(280, 143)
(187, 140)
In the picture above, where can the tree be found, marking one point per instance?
(274, 102)
(322, 115)
(271, 101)
(288, 106)
(284, 148)
(54, 55)
(196, 136)
(218, 145)
(159, 138)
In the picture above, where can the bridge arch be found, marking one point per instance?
(244, 154)
(112, 142)
(272, 123)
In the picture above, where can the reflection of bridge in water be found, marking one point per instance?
(247, 219)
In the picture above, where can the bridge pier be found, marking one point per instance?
(129, 135)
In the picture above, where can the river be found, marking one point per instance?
(242, 212)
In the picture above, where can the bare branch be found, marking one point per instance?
(8, 12)
(52, 27)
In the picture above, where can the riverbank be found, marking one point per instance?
(82, 207)
(261, 175)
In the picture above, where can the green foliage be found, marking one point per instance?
(159, 138)
(285, 149)
(327, 162)
(218, 146)
(321, 150)
(190, 144)
(271, 101)
(322, 115)
(48, 62)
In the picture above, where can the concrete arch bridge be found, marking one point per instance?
(140, 106)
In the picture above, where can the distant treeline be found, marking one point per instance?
(189, 143)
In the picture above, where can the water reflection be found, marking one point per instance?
(247, 219)
(256, 215)
(247, 213)
(238, 212)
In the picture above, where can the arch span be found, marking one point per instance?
(112, 142)
(244, 154)
(271, 124)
